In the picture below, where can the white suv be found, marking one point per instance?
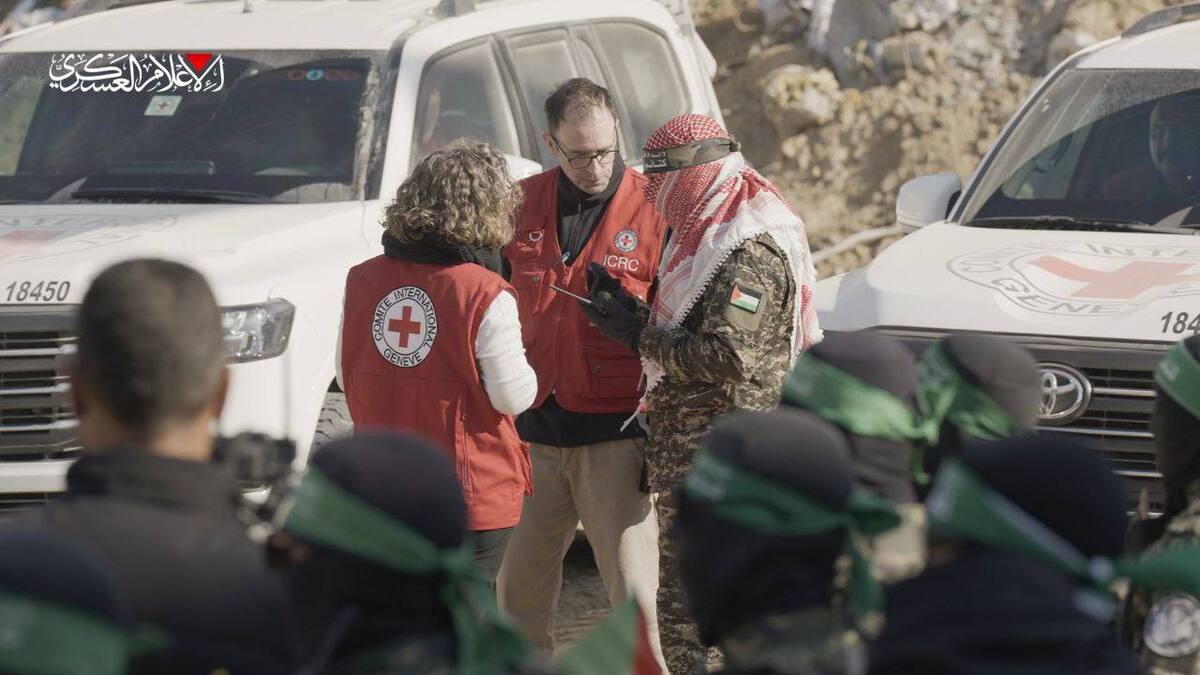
(259, 140)
(1076, 237)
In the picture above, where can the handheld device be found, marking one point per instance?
(566, 292)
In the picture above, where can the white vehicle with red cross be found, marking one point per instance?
(259, 141)
(1076, 237)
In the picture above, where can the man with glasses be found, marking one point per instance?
(585, 224)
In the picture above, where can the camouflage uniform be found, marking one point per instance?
(900, 553)
(810, 642)
(1163, 627)
(722, 358)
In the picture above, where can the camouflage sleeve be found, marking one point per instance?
(745, 302)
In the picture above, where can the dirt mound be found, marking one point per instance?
(910, 104)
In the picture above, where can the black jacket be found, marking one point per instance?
(169, 529)
(991, 613)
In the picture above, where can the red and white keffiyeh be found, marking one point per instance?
(712, 209)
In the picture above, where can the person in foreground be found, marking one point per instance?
(148, 384)
(61, 612)
(866, 385)
(767, 511)
(380, 566)
(1025, 535)
(1163, 626)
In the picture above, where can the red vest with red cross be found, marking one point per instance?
(585, 371)
(408, 364)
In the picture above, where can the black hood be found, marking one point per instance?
(991, 613)
(434, 251)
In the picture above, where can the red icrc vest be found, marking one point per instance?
(408, 363)
(585, 371)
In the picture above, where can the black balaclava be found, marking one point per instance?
(1004, 371)
(733, 575)
(413, 482)
(1177, 442)
(883, 466)
(987, 611)
(1067, 486)
(47, 567)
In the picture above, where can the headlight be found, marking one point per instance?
(255, 332)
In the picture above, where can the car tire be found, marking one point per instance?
(334, 422)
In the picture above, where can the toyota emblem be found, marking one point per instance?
(1066, 393)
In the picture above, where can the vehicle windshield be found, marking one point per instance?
(272, 126)
(1100, 145)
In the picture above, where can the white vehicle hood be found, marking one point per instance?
(1095, 285)
(236, 246)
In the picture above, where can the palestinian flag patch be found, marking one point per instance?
(745, 298)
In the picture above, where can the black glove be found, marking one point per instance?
(600, 281)
(614, 319)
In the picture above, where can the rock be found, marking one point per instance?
(799, 97)
(1065, 44)
(895, 57)
(839, 26)
(926, 15)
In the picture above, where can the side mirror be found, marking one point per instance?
(926, 200)
(519, 167)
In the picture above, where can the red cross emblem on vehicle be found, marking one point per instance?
(1128, 281)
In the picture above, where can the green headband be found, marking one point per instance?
(963, 506)
(1179, 375)
(766, 507)
(944, 394)
(43, 638)
(852, 404)
(325, 514)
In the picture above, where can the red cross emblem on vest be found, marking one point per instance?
(404, 326)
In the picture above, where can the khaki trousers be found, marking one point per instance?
(598, 486)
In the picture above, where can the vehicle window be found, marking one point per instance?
(18, 98)
(650, 89)
(1100, 144)
(462, 96)
(543, 61)
(265, 125)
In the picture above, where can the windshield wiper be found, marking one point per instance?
(1075, 223)
(173, 194)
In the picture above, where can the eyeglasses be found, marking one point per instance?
(583, 161)
(692, 154)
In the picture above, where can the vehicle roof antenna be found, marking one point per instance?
(247, 6)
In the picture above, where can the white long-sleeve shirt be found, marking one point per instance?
(508, 379)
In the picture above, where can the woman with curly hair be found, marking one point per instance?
(431, 340)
